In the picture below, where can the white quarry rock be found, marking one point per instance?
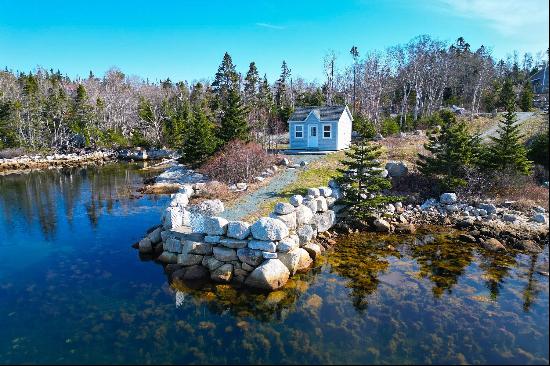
(233, 243)
(288, 244)
(283, 208)
(539, 217)
(313, 250)
(173, 217)
(154, 235)
(313, 192)
(311, 204)
(291, 260)
(211, 263)
(390, 208)
(324, 220)
(289, 219)
(429, 203)
(321, 204)
(305, 260)
(215, 225)
(168, 258)
(210, 207)
(452, 208)
(269, 255)
(539, 209)
(265, 246)
(325, 191)
(249, 256)
(336, 193)
(223, 273)
(305, 234)
(238, 229)
(196, 247)
(213, 239)
(296, 200)
(188, 259)
(509, 218)
(448, 198)
(179, 199)
(173, 245)
(488, 207)
(270, 275)
(267, 228)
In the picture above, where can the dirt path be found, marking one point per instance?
(250, 203)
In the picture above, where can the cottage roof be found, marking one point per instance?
(325, 113)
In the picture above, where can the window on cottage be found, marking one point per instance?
(327, 131)
(299, 131)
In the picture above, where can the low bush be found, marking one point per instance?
(238, 161)
(389, 126)
(538, 149)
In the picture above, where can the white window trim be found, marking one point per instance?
(323, 131)
(298, 125)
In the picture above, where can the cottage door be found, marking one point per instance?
(312, 137)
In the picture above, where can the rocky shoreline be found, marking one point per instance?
(491, 226)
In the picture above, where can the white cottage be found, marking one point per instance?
(320, 128)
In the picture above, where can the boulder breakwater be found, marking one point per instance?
(196, 242)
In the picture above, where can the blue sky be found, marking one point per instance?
(185, 40)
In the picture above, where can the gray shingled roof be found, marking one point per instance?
(326, 113)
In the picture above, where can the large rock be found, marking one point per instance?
(313, 192)
(336, 193)
(213, 239)
(324, 220)
(305, 234)
(311, 204)
(283, 208)
(488, 207)
(173, 217)
(224, 254)
(222, 273)
(313, 250)
(267, 228)
(381, 225)
(196, 247)
(270, 275)
(448, 198)
(288, 219)
(296, 200)
(321, 204)
(538, 217)
(195, 272)
(173, 245)
(265, 246)
(238, 229)
(305, 260)
(493, 244)
(288, 244)
(154, 235)
(215, 225)
(397, 168)
(188, 259)
(167, 257)
(249, 256)
(210, 207)
(509, 217)
(145, 246)
(211, 263)
(291, 260)
(233, 243)
(325, 191)
(304, 215)
(179, 199)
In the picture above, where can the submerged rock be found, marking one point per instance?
(381, 225)
(270, 275)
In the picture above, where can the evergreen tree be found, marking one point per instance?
(234, 125)
(251, 85)
(282, 100)
(507, 94)
(526, 97)
(506, 151)
(199, 142)
(361, 182)
(81, 113)
(452, 150)
(8, 137)
(226, 79)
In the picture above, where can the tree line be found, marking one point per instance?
(45, 109)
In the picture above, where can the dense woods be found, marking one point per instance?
(399, 88)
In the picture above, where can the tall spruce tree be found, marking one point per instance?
(506, 151)
(234, 125)
(282, 99)
(200, 141)
(526, 97)
(507, 94)
(361, 182)
(452, 150)
(81, 114)
(225, 80)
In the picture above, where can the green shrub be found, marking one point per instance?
(538, 149)
(389, 126)
(364, 127)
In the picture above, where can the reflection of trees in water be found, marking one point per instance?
(443, 262)
(496, 267)
(37, 195)
(362, 260)
(531, 289)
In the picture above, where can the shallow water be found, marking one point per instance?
(73, 290)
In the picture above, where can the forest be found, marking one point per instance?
(397, 89)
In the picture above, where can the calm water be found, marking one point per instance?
(73, 290)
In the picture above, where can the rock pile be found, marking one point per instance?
(196, 242)
(53, 160)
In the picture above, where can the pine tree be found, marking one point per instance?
(226, 79)
(199, 142)
(81, 113)
(234, 125)
(507, 94)
(8, 136)
(361, 181)
(282, 101)
(251, 84)
(506, 151)
(452, 150)
(526, 97)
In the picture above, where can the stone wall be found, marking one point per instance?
(197, 242)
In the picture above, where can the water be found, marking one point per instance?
(72, 290)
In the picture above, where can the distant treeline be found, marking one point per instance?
(44, 109)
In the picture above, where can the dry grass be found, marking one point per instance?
(404, 148)
(159, 189)
(534, 125)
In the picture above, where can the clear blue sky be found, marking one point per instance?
(185, 40)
